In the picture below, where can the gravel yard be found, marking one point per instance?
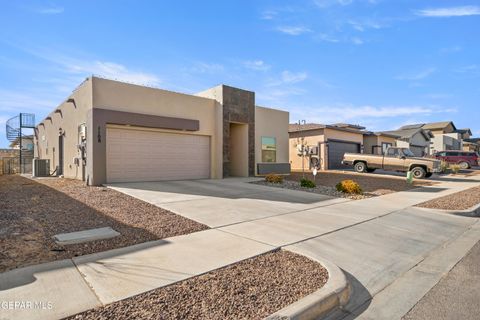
(32, 211)
(325, 190)
(458, 201)
(251, 289)
(372, 184)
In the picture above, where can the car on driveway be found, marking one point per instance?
(394, 159)
(465, 159)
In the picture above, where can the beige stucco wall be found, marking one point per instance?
(311, 138)
(239, 149)
(119, 96)
(46, 140)
(369, 142)
(318, 138)
(376, 140)
(271, 123)
(418, 139)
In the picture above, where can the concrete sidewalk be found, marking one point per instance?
(374, 240)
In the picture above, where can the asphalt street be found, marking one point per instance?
(456, 296)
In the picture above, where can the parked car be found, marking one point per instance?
(395, 159)
(465, 159)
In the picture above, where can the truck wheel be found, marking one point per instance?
(464, 165)
(419, 173)
(360, 167)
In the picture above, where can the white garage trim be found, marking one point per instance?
(135, 154)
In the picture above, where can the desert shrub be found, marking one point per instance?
(274, 178)
(443, 166)
(455, 168)
(305, 183)
(349, 186)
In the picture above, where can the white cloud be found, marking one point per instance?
(327, 38)
(451, 49)
(293, 30)
(363, 25)
(417, 76)
(364, 114)
(16, 101)
(110, 70)
(51, 10)
(203, 67)
(257, 65)
(292, 77)
(357, 41)
(449, 12)
(438, 95)
(328, 3)
(472, 69)
(269, 15)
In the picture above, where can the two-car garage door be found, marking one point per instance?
(142, 155)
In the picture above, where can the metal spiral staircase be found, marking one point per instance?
(16, 136)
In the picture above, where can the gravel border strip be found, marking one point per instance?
(473, 212)
(119, 309)
(333, 295)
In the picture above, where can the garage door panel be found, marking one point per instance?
(336, 150)
(139, 155)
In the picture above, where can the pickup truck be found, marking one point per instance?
(395, 159)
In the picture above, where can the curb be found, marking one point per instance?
(334, 294)
(473, 212)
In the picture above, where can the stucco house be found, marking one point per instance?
(110, 131)
(471, 144)
(413, 137)
(445, 136)
(465, 133)
(329, 141)
(378, 142)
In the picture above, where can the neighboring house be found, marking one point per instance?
(27, 143)
(464, 133)
(413, 137)
(378, 142)
(445, 136)
(471, 144)
(110, 131)
(331, 142)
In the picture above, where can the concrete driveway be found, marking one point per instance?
(217, 203)
(387, 247)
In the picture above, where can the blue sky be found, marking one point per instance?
(378, 63)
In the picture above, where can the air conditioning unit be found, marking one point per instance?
(41, 168)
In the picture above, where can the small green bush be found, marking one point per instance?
(274, 178)
(349, 186)
(305, 183)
